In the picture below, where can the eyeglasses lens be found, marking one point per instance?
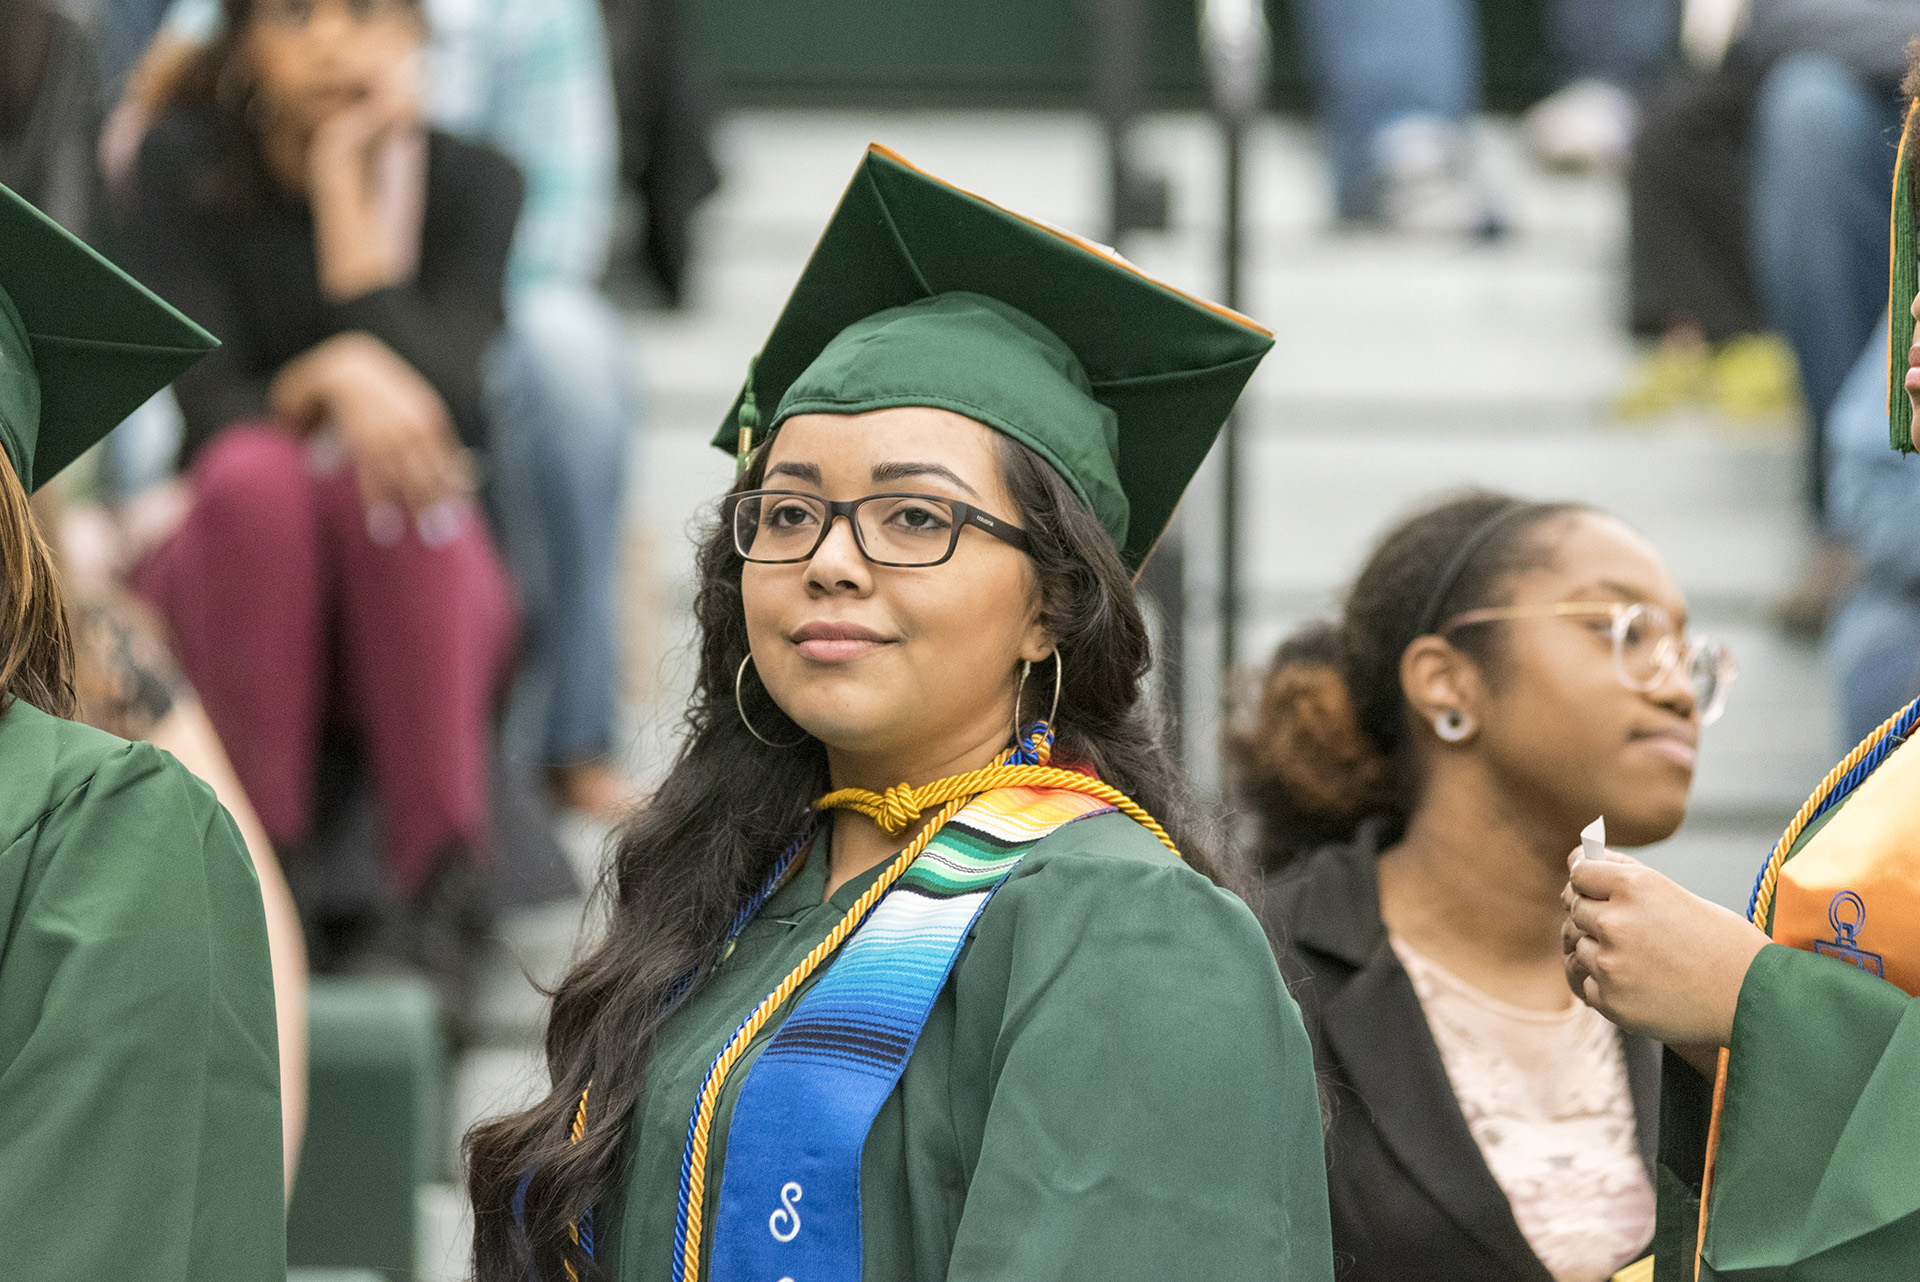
(905, 529)
(893, 529)
(777, 527)
(1710, 672)
(1646, 645)
(1647, 648)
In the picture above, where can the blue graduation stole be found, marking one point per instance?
(789, 1208)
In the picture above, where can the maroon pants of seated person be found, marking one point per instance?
(286, 609)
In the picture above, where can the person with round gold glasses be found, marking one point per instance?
(1503, 673)
(1647, 646)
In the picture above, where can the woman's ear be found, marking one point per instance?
(1038, 644)
(1443, 688)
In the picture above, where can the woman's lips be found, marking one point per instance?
(1913, 368)
(836, 642)
(1673, 747)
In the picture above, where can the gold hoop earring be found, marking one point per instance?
(739, 707)
(1020, 693)
(1054, 711)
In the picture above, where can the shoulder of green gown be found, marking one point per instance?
(1108, 855)
(51, 764)
(45, 760)
(1107, 835)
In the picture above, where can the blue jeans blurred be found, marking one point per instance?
(1874, 498)
(1376, 61)
(561, 404)
(1823, 148)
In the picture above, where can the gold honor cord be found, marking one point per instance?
(899, 807)
(1770, 878)
(579, 1132)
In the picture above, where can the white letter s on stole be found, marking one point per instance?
(784, 1223)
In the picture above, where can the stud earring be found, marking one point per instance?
(1453, 725)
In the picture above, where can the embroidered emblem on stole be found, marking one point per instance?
(1846, 929)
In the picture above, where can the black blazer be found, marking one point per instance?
(1412, 1199)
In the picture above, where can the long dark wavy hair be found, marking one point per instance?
(730, 805)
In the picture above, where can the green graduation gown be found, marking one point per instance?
(1817, 1178)
(139, 1080)
(1114, 1084)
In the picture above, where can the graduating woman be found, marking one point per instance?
(139, 1104)
(904, 980)
(1789, 1128)
(1503, 672)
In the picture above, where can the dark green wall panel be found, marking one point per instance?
(1009, 52)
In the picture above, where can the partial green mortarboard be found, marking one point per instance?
(82, 344)
(920, 293)
(1902, 283)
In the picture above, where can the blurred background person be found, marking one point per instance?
(1825, 129)
(1398, 81)
(1503, 673)
(1758, 231)
(531, 79)
(329, 571)
(1690, 282)
(1873, 502)
(49, 112)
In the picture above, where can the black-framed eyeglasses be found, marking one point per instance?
(780, 527)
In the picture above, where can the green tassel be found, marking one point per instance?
(749, 419)
(1905, 282)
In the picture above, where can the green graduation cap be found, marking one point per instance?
(920, 293)
(82, 344)
(1903, 282)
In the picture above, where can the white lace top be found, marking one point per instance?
(1545, 1094)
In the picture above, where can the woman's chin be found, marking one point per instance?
(1648, 821)
(843, 729)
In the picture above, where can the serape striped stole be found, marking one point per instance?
(789, 1208)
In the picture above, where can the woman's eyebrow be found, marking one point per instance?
(1609, 587)
(808, 472)
(887, 472)
(1628, 594)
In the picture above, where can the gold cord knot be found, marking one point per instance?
(899, 810)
